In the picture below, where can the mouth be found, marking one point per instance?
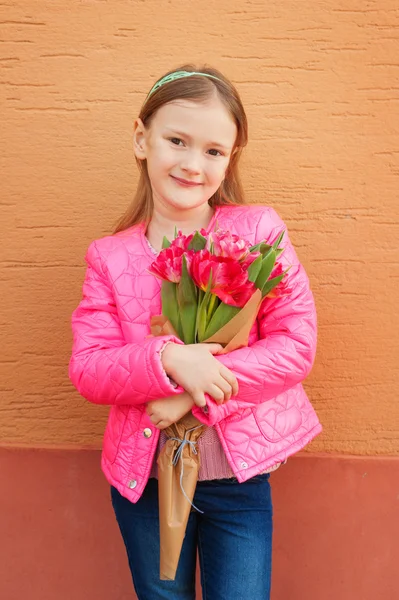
(185, 183)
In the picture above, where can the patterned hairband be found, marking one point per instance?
(178, 75)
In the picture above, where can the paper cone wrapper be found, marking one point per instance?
(174, 508)
(161, 326)
(236, 332)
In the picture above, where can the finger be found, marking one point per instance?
(220, 390)
(162, 424)
(156, 418)
(199, 399)
(217, 393)
(214, 348)
(230, 378)
(225, 387)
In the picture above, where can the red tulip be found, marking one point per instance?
(229, 279)
(282, 288)
(168, 264)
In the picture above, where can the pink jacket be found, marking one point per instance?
(115, 362)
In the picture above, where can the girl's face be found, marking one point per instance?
(187, 147)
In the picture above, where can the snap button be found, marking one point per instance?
(147, 433)
(244, 465)
(132, 484)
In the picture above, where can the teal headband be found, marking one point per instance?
(178, 75)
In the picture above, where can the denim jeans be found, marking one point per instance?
(233, 537)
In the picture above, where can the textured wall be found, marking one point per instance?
(320, 81)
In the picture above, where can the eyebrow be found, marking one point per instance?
(185, 135)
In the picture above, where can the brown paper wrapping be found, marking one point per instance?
(174, 508)
(235, 333)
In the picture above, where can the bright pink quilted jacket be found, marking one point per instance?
(115, 362)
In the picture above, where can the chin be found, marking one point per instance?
(185, 202)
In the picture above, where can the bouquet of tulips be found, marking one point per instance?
(212, 288)
(209, 278)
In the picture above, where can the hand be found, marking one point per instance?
(169, 410)
(195, 369)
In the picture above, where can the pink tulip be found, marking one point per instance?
(224, 243)
(168, 264)
(229, 279)
(182, 241)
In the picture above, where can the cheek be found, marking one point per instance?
(216, 172)
(159, 163)
(160, 154)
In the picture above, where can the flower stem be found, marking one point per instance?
(211, 308)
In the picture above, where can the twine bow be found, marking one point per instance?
(179, 455)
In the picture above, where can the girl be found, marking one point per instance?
(188, 140)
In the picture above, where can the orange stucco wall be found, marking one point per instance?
(320, 81)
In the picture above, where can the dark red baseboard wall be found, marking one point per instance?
(336, 529)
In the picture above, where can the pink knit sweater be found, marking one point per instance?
(213, 461)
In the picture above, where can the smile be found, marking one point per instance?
(185, 183)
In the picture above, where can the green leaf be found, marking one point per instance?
(187, 300)
(165, 243)
(170, 308)
(223, 314)
(267, 267)
(202, 312)
(262, 247)
(278, 240)
(254, 268)
(198, 242)
(255, 248)
(176, 232)
(272, 283)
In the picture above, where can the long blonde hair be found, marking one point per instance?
(200, 89)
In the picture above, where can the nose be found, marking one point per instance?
(191, 162)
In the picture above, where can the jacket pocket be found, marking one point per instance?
(277, 422)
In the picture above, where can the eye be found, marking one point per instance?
(214, 152)
(176, 141)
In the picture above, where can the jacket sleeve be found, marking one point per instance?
(284, 354)
(103, 367)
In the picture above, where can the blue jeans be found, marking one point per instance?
(233, 536)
